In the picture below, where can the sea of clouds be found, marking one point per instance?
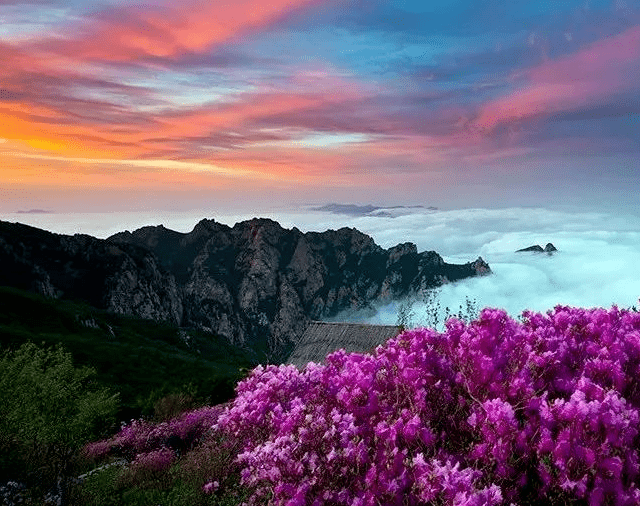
(597, 265)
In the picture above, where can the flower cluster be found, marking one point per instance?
(140, 440)
(210, 487)
(491, 412)
(154, 461)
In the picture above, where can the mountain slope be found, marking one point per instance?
(141, 359)
(256, 283)
(257, 279)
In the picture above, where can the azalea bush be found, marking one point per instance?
(492, 412)
(142, 436)
(171, 462)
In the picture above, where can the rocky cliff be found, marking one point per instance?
(255, 283)
(123, 278)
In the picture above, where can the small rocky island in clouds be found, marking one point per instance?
(370, 210)
(549, 249)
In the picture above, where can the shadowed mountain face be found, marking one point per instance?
(255, 283)
(123, 278)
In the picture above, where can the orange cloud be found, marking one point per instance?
(177, 135)
(38, 108)
(37, 127)
(589, 76)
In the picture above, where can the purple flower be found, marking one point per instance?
(210, 487)
(467, 417)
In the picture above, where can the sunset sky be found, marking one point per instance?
(122, 106)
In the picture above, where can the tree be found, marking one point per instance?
(48, 410)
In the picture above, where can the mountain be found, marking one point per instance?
(123, 278)
(255, 283)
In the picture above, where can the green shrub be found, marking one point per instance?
(49, 410)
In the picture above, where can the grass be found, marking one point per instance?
(107, 488)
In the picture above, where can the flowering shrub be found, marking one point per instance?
(149, 469)
(153, 461)
(493, 412)
(140, 436)
(151, 449)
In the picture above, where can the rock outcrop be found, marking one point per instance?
(123, 278)
(549, 249)
(255, 283)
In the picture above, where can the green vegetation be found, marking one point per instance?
(111, 488)
(114, 486)
(88, 371)
(144, 361)
(431, 314)
(49, 410)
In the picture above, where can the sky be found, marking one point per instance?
(114, 106)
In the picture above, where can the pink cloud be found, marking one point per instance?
(607, 67)
(47, 121)
(133, 33)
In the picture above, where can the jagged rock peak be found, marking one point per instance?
(481, 267)
(406, 248)
(205, 224)
(536, 248)
(257, 222)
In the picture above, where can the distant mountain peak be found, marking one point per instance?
(549, 249)
(35, 211)
(369, 209)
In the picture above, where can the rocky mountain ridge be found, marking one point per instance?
(255, 283)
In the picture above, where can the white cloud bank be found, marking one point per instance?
(597, 265)
(598, 262)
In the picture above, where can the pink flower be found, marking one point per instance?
(210, 487)
(435, 417)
